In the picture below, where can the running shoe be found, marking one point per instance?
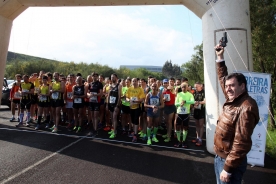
(184, 144)
(140, 132)
(178, 144)
(27, 125)
(130, 134)
(20, 124)
(37, 127)
(165, 136)
(134, 138)
(29, 121)
(12, 119)
(142, 135)
(112, 136)
(145, 137)
(69, 126)
(55, 130)
(195, 140)
(124, 132)
(154, 139)
(78, 130)
(110, 132)
(47, 126)
(149, 142)
(107, 128)
(53, 127)
(90, 134)
(199, 143)
(75, 128)
(167, 139)
(100, 125)
(18, 119)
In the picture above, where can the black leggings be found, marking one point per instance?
(134, 114)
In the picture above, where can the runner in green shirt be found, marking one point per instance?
(182, 102)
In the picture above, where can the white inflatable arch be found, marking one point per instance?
(217, 16)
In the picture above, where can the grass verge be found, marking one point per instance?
(271, 143)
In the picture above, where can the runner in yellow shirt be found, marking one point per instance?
(135, 95)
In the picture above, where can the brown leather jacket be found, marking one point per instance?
(235, 125)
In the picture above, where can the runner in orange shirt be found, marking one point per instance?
(14, 96)
(68, 99)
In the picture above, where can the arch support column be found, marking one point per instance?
(5, 32)
(234, 17)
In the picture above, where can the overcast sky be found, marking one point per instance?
(115, 35)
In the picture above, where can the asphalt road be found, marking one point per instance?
(28, 156)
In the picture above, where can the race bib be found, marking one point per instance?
(198, 107)
(69, 95)
(36, 90)
(55, 95)
(25, 91)
(167, 97)
(133, 99)
(94, 98)
(182, 110)
(154, 101)
(43, 98)
(112, 99)
(77, 100)
(17, 95)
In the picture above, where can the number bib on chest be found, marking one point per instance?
(69, 95)
(154, 101)
(55, 95)
(94, 98)
(167, 97)
(77, 100)
(43, 98)
(17, 95)
(198, 107)
(25, 91)
(112, 99)
(182, 110)
(36, 89)
(134, 99)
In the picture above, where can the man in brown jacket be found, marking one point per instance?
(235, 125)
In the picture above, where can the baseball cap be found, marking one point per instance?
(165, 80)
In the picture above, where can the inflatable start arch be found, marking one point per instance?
(217, 16)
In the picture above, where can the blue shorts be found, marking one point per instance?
(151, 114)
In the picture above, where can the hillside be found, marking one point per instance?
(22, 57)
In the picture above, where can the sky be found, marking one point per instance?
(113, 35)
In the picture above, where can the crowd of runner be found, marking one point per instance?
(139, 105)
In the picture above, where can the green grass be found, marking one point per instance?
(271, 143)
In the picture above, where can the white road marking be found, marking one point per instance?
(39, 162)
(102, 139)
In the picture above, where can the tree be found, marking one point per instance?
(263, 22)
(194, 69)
(167, 69)
(170, 70)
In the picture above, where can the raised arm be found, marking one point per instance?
(221, 68)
